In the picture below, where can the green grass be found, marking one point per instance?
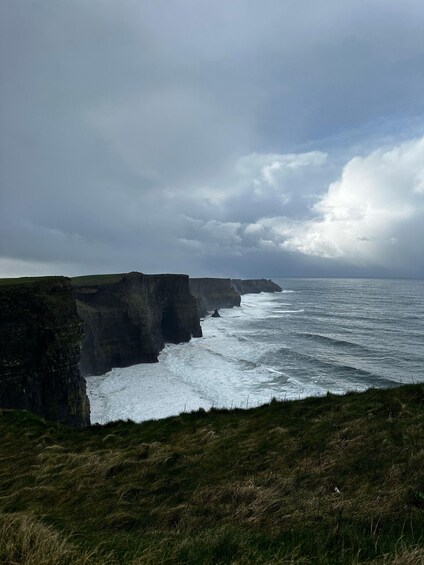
(85, 280)
(88, 280)
(227, 486)
(29, 280)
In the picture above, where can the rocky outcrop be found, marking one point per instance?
(212, 294)
(128, 318)
(254, 286)
(40, 337)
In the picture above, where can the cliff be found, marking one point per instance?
(254, 286)
(40, 336)
(128, 318)
(213, 294)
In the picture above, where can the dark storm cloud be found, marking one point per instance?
(202, 136)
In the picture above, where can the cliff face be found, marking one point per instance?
(254, 286)
(40, 337)
(128, 318)
(213, 294)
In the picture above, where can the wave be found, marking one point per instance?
(245, 363)
(271, 370)
(335, 341)
(348, 316)
(276, 372)
(347, 372)
(288, 311)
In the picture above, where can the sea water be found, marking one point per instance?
(318, 335)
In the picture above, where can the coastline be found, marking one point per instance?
(289, 345)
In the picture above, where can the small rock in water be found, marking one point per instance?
(216, 314)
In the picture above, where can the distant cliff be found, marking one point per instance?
(213, 294)
(128, 318)
(51, 328)
(254, 286)
(40, 336)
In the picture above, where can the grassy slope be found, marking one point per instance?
(254, 486)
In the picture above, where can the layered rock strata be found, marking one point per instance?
(213, 294)
(254, 286)
(128, 318)
(40, 337)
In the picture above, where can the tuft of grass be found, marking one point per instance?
(26, 540)
(402, 556)
(332, 480)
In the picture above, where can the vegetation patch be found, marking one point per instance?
(321, 480)
(98, 280)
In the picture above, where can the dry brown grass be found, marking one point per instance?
(25, 540)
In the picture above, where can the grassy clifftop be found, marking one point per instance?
(90, 280)
(320, 480)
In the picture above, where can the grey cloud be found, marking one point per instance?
(122, 120)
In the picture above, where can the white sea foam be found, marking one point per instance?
(222, 369)
(141, 392)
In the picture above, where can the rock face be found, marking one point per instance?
(212, 294)
(128, 318)
(40, 337)
(254, 286)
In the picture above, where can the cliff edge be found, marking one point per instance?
(129, 317)
(254, 286)
(40, 337)
(213, 294)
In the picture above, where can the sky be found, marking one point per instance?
(245, 138)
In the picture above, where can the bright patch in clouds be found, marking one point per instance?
(374, 214)
(270, 171)
(261, 176)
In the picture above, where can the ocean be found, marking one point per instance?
(318, 335)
